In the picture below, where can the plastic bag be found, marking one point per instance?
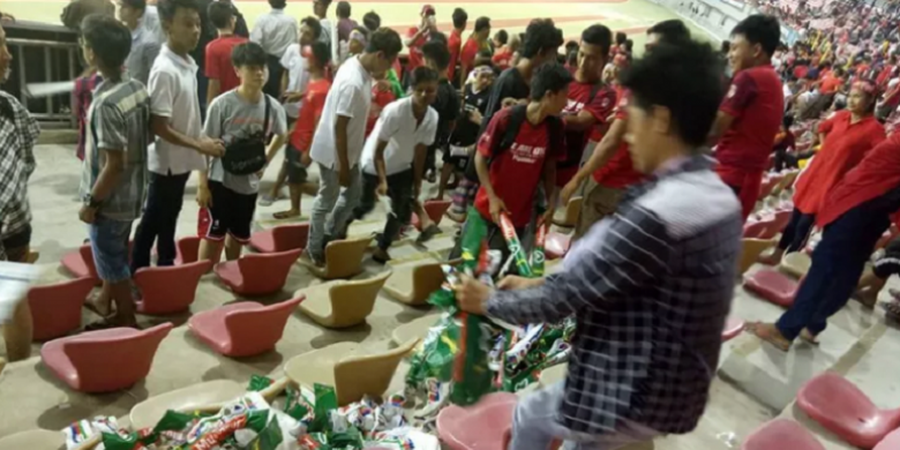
(538, 258)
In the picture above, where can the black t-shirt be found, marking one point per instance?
(466, 132)
(510, 84)
(447, 106)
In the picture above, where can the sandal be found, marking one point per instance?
(892, 309)
(769, 333)
(427, 234)
(286, 215)
(810, 338)
(92, 307)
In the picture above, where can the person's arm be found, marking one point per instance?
(720, 126)
(340, 147)
(381, 167)
(741, 93)
(579, 122)
(109, 125)
(162, 87)
(411, 42)
(213, 88)
(278, 129)
(419, 167)
(550, 187)
(603, 152)
(284, 83)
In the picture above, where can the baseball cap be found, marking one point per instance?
(427, 10)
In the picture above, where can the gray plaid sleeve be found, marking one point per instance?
(111, 128)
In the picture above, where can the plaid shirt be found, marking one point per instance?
(18, 135)
(650, 288)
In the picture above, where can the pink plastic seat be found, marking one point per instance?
(733, 327)
(257, 274)
(773, 286)
(244, 328)
(56, 308)
(281, 238)
(777, 225)
(781, 434)
(556, 245)
(768, 184)
(890, 442)
(187, 250)
(81, 263)
(435, 210)
(757, 229)
(106, 360)
(482, 426)
(167, 290)
(846, 411)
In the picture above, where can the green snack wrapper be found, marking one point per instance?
(351, 438)
(314, 441)
(326, 400)
(170, 430)
(437, 353)
(258, 383)
(269, 438)
(537, 254)
(297, 406)
(515, 246)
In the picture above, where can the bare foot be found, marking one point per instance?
(286, 214)
(100, 306)
(810, 338)
(769, 333)
(867, 296)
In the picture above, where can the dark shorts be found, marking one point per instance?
(456, 156)
(296, 171)
(16, 244)
(230, 213)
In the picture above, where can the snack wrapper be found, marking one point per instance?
(538, 258)
(83, 430)
(515, 246)
(259, 383)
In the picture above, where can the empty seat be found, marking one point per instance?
(244, 328)
(281, 238)
(733, 327)
(556, 245)
(570, 218)
(56, 308)
(796, 264)
(484, 425)
(352, 371)
(105, 360)
(416, 329)
(768, 185)
(413, 283)
(34, 440)
(168, 290)
(81, 263)
(843, 409)
(781, 434)
(751, 249)
(773, 286)
(435, 210)
(343, 258)
(257, 274)
(211, 395)
(890, 442)
(777, 224)
(342, 303)
(757, 229)
(187, 250)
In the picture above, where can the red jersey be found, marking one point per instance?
(885, 75)
(503, 58)
(218, 62)
(454, 44)
(415, 48)
(830, 84)
(382, 95)
(756, 101)
(600, 106)
(313, 104)
(468, 54)
(516, 171)
(619, 172)
(845, 146)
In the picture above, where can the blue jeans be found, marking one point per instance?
(332, 209)
(797, 231)
(109, 243)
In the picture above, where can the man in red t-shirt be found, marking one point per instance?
(454, 43)
(751, 112)
(296, 154)
(477, 41)
(418, 36)
(219, 70)
(510, 181)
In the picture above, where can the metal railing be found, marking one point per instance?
(36, 61)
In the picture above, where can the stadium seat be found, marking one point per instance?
(168, 290)
(758, 228)
(435, 210)
(839, 406)
(281, 238)
(781, 434)
(773, 286)
(556, 245)
(413, 283)
(352, 371)
(750, 250)
(733, 327)
(244, 328)
(890, 442)
(342, 303)
(416, 329)
(796, 264)
(768, 185)
(105, 360)
(56, 308)
(208, 396)
(777, 224)
(34, 440)
(343, 258)
(484, 425)
(187, 250)
(257, 274)
(573, 209)
(81, 263)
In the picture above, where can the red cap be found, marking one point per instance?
(427, 10)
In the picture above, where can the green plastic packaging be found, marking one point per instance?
(538, 257)
(259, 383)
(326, 400)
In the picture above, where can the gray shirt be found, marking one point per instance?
(145, 48)
(275, 31)
(230, 117)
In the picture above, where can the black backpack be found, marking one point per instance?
(248, 155)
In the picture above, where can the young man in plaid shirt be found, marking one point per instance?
(650, 286)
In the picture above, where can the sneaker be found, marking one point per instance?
(308, 258)
(380, 255)
(427, 234)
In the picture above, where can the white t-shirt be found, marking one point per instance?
(350, 96)
(173, 94)
(397, 127)
(298, 76)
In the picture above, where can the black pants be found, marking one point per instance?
(164, 199)
(400, 191)
(889, 263)
(797, 231)
(273, 85)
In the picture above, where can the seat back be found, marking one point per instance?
(796, 264)
(94, 354)
(343, 258)
(371, 375)
(573, 209)
(188, 249)
(353, 301)
(841, 407)
(750, 250)
(768, 184)
(290, 237)
(436, 209)
(781, 433)
(87, 254)
(169, 289)
(483, 425)
(757, 229)
(782, 217)
(254, 331)
(56, 308)
(266, 273)
(427, 278)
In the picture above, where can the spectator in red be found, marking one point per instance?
(454, 43)
(382, 95)
(501, 37)
(478, 41)
(219, 69)
(751, 112)
(418, 36)
(505, 56)
(832, 82)
(886, 72)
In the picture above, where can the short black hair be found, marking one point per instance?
(549, 78)
(248, 54)
(787, 121)
(372, 20)
(220, 14)
(320, 52)
(385, 40)
(313, 25)
(760, 29)
(438, 36)
(598, 35)
(541, 35)
(620, 38)
(460, 17)
(135, 4)
(629, 45)
(672, 30)
(482, 23)
(726, 46)
(572, 46)
(109, 39)
(278, 4)
(423, 74)
(343, 9)
(502, 37)
(684, 77)
(437, 52)
(167, 8)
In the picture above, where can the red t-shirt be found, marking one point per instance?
(380, 98)
(830, 84)
(516, 172)
(503, 58)
(313, 104)
(218, 62)
(800, 72)
(454, 43)
(619, 172)
(756, 101)
(468, 54)
(579, 99)
(885, 75)
(415, 48)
